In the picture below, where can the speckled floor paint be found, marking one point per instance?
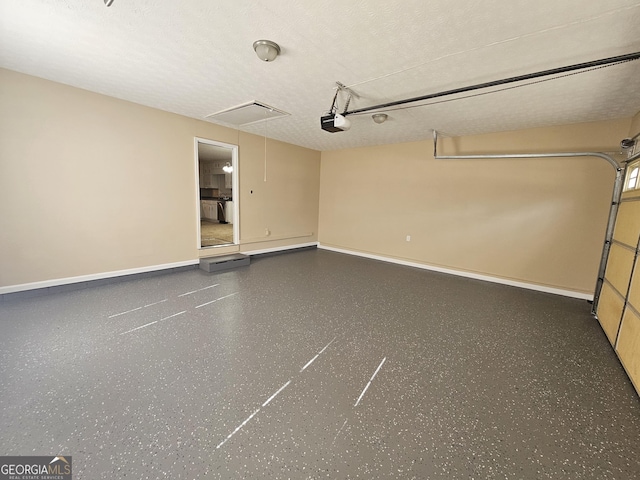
(315, 364)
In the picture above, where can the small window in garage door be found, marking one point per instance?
(632, 181)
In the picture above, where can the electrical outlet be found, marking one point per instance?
(267, 232)
(408, 238)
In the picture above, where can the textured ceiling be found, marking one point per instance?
(195, 57)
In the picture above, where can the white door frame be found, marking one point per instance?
(235, 197)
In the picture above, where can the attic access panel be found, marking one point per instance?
(247, 114)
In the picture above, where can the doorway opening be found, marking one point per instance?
(216, 184)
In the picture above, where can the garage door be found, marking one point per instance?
(618, 307)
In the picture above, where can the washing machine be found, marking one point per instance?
(228, 211)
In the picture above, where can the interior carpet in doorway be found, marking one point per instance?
(212, 234)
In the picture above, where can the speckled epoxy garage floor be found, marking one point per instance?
(315, 364)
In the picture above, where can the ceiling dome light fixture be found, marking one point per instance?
(266, 49)
(379, 117)
(108, 2)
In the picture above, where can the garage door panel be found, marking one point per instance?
(618, 307)
(619, 268)
(629, 346)
(627, 227)
(609, 312)
(634, 292)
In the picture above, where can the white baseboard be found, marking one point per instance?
(462, 273)
(152, 268)
(280, 249)
(96, 276)
(56, 282)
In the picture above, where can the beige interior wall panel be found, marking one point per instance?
(610, 312)
(619, 268)
(91, 184)
(628, 347)
(539, 221)
(627, 228)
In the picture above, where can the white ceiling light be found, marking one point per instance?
(266, 50)
(379, 117)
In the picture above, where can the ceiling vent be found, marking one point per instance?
(247, 114)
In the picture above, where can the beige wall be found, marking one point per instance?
(539, 221)
(91, 184)
(292, 179)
